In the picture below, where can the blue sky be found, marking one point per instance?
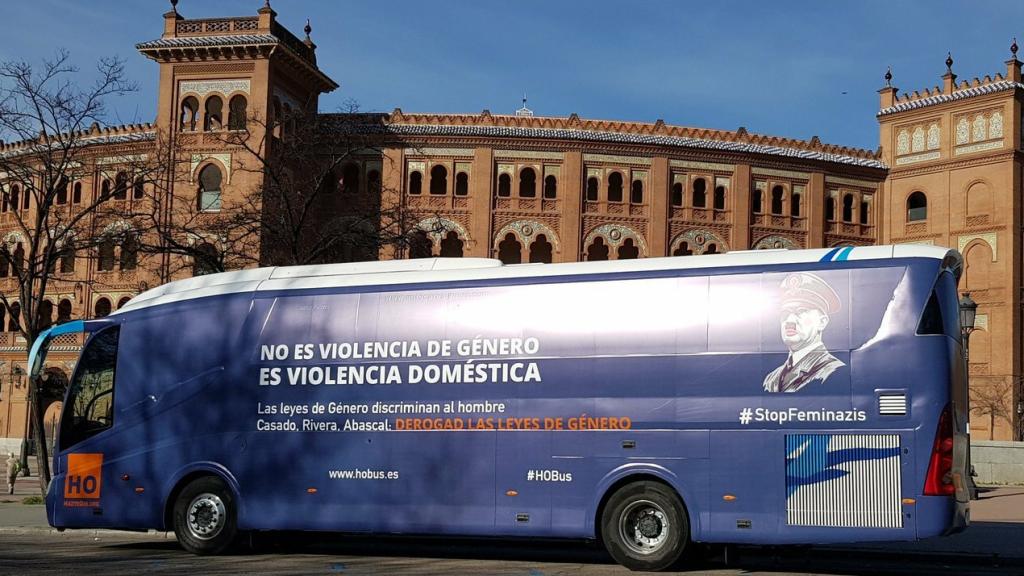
(788, 68)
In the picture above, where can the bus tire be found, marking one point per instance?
(205, 517)
(644, 526)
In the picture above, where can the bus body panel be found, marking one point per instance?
(657, 389)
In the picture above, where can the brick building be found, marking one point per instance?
(525, 188)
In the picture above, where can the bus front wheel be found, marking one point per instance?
(204, 516)
(644, 526)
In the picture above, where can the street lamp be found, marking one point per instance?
(968, 313)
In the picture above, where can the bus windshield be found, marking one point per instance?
(37, 362)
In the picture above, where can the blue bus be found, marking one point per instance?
(769, 397)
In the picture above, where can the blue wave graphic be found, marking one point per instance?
(816, 463)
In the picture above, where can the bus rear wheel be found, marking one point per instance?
(644, 526)
(205, 520)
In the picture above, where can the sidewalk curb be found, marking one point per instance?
(87, 531)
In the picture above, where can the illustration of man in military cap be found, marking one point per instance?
(807, 303)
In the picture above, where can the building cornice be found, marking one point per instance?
(964, 92)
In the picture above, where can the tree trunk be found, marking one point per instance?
(991, 424)
(42, 451)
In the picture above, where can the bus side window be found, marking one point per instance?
(941, 314)
(90, 404)
(931, 320)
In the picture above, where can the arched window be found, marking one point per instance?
(917, 207)
(848, 208)
(105, 189)
(415, 183)
(25, 198)
(124, 300)
(527, 183)
(287, 121)
(719, 198)
(209, 188)
(278, 118)
(76, 196)
(63, 311)
(550, 187)
(62, 191)
(67, 261)
(794, 205)
(214, 118)
(504, 186)
(350, 179)
(139, 188)
(462, 184)
(14, 322)
(510, 251)
(677, 194)
(830, 209)
(420, 245)
(615, 187)
(438, 180)
(189, 111)
(373, 182)
(15, 197)
(864, 208)
(683, 250)
(236, 113)
(598, 250)
(636, 192)
(700, 195)
(711, 249)
(206, 260)
(102, 308)
(592, 187)
(45, 313)
(18, 259)
(777, 192)
(105, 261)
(755, 201)
(451, 245)
(5, 265)
(540, 250)
(130, 252)
(628, 250)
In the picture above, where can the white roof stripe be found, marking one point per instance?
(429, 270)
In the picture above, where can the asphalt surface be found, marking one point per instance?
(994, 544)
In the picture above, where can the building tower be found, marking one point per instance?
(955, 180)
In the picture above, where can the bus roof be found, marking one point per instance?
(392, 272)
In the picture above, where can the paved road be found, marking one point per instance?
(992, 545)
(83, 553)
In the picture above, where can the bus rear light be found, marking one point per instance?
(939, 479)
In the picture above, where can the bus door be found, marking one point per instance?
(80, 487)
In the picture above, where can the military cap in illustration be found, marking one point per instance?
(807, 303)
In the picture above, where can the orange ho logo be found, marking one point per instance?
(84, 480)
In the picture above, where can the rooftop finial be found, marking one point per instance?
(888, 77)
(949, 62)
(307, 29)
(1013, 48)
(266, 3)
(524, 111)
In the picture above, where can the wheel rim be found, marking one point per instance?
(644, 527)
(206, 516)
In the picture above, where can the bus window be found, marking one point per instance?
(941, 314)
(90, 402)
